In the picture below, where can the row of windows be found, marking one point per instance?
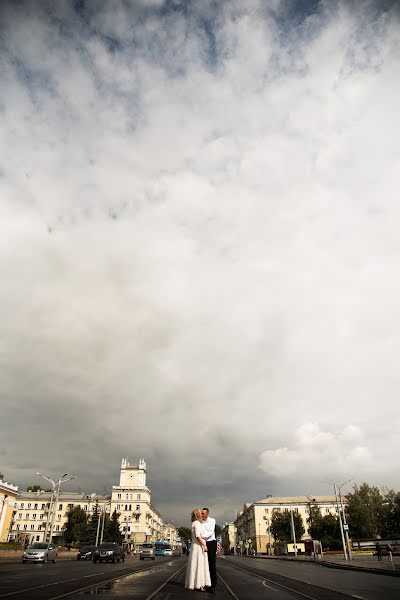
(33, 517)
(127, 507)
(32, 527)
(296, 510)
(129, 496)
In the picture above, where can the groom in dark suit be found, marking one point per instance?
(208, 533)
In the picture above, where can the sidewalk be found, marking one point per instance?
(365, 562)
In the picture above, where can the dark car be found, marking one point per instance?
(109, 551)
(86, 553)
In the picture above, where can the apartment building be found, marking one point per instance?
(32, 515)
(35, 513)
(253, 524)
(8, 499)
(140, 520)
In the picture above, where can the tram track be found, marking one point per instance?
(290, 587)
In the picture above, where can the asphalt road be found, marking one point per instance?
(280, 580)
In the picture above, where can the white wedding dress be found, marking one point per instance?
(197, 572)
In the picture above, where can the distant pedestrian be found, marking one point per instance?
(379, 551)
(390, 552)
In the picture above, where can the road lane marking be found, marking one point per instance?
(269, 587)
(165, 583)
(227, 586)
(355, 596)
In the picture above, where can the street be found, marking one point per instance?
(241, 578)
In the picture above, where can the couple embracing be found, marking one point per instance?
(201, 571)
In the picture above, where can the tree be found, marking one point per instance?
(218, 530)
(76, 527)
(112, 531)
(1, 476)
(365, 512)
(326, 529)
(93, 521)
(390, 516)
(184, 533)
(281, 526)
(34, 488)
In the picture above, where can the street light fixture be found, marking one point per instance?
(344, 529)
(55, 492)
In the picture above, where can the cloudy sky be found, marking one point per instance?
(199, 245)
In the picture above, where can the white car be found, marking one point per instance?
(40, 552)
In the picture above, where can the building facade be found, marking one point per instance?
(8, 499)
(253, 524)
(37, 515)
(140, 520)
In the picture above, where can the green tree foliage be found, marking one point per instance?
(1, 476)
(390, 516)
(93, 521)
(112, 532)
(218, 530)
(184, 533)
(34, 488)
(326, 529)
(281, 527)
(365, 511)
(76, 527)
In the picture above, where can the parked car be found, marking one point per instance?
(86, 553)
(147, 551)
(40, 552)
(109, 551)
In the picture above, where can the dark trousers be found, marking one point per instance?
(212, 559)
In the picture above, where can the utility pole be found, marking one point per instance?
(293, 533)
(343, 528)
(55, 492)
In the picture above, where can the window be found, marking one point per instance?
(17, 527)
(127, 496)
(137, 517)
(25, 527)
(57, 528)
(130, 507)
(41, 516)
(22, 505)
(327, 511)
(118, 507)
(60, 506)
(19, 515)
(34, 516)
(43, 506)
(29, 504)
(32, 527)
(119, 496)
(58, 517)
(35, 507)
(126, 507)
(138, 497)
(137, 506)
(306, 510)
(39, 527)
(85, 507)
(38, 538)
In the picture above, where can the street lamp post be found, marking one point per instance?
(55, 492)
(343, 524)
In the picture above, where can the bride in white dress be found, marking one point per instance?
(197, 572)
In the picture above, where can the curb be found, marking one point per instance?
(332, 565)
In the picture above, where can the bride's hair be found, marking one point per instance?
(196, 514)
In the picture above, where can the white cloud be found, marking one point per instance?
(321, 454)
